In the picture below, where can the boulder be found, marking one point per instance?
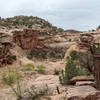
(81, 83)
(83, 93)
(82, 78)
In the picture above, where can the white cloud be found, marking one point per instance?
(79, 14)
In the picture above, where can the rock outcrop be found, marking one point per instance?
(26, 39)
(82, 83)
(83, 93)
(39, 46)
(5, 46)
(82, 78)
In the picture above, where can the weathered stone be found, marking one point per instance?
(83, 93)
(47, 79)
(26, 39)
(39, 46)
(24, 61)
(81, 83)
(82, 78)
(5, 46)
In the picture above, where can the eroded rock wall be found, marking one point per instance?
(37, 45)
(5, 46)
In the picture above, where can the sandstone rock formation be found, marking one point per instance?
(82, 83)
(83, 93)
(39, 46)
(5, 46)
(26, 39)
(82, 78)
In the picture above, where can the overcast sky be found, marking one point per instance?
(68, 14)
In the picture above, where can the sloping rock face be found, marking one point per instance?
(5, 46)
(37, 45)
(83, 93)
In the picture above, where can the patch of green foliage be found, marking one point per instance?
(29, 67)
(10, 76)
(72, 68)
(75, 55)
(70, 72)
(53, 59)
(41, 69)
(57, 71)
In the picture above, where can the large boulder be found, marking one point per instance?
(83, 93)
(82, 78)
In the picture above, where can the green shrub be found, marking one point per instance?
(34, 93)
(52, 54)
(56, 71)
(29, 67)
(10, 76)
(75, 55)
(82, 71)
(53, 59)
(70, 71)
(43, 55)
(41, 69)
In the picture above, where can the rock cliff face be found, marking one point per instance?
(5, 46)
(38, 46)
(26, 39)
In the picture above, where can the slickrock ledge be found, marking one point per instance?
(83, 93)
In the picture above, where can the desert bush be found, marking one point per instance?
(71, 70)
(43, 55)
(82, 71)
(75, 55)
(56, 71)
(41, 69)
(53, 59)
(34, 93)
(11, 77)
(52, 54)
(29, 67)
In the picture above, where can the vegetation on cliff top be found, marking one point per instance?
(28, 22)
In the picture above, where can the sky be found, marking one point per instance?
(81, 15)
